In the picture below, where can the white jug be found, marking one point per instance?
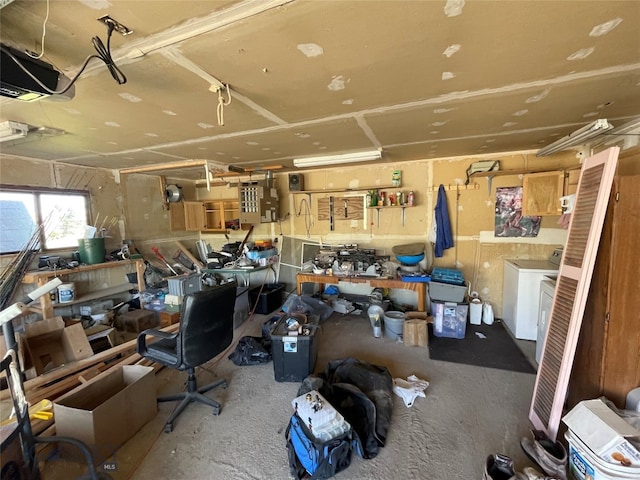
(487, 313)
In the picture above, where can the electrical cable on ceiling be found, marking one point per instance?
(222, 104)
(104, 54)
(44, 32)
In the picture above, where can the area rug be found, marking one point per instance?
(484, 346)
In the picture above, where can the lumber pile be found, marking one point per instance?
(61, 380)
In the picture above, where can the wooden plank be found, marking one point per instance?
(354, 206)
(88, 375)
(75, 367)
(188, 254)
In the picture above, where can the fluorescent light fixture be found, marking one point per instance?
(580, 136)
(335, 159)
(12, 131)
(628, 135)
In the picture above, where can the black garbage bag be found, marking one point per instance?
(251, 351)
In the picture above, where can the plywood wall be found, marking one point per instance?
(136, 201)
(477, 252)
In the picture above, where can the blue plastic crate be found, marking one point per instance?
(447, 275)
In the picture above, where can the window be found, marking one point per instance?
(41, 219)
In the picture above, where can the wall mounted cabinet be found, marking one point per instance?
(214, 216)
(541, 193)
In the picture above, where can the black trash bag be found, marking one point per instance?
(251, 351)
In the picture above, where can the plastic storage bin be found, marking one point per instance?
(447, 275)
(267, 300)
(294, 356)
(446, 292)
(449, 319)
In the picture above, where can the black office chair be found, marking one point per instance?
(206, 329)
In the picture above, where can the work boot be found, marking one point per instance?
(500, 467)
(533, 474)
(550, 456)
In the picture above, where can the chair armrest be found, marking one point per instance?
(141, 343)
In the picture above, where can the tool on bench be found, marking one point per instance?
(159, 255)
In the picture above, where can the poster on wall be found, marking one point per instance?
(509, 219)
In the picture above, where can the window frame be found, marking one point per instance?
(37, 192)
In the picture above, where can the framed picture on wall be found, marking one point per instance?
(509, 219)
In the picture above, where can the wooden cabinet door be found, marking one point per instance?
(541, 193)
(194, 216)
(176, 217)
(621, 368)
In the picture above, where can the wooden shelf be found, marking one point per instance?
(33, 277)
(378, 207)
(344, 190)
(40, 278)
(501, 173)
(106, 292)
(385, 207)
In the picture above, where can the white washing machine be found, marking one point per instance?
(521, 294)
(547, 291)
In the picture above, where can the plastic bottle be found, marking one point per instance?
(487, 313)
(411, 199)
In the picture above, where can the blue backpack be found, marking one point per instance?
(311, 457)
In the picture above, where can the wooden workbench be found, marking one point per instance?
(321, 280)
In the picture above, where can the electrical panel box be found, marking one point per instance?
(259, 202)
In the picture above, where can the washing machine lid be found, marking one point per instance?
(533, 264)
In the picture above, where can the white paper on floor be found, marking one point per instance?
(481, 335)
(410, 388)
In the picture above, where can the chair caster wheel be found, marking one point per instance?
(216, 411)
(168, 428)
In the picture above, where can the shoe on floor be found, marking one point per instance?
(531, 473)
(550, 456)
(498, 467)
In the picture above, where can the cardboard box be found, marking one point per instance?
(603, 431)
(49, 344)
(138, 320)
(101, 337)
(167, 318)
(108, 410)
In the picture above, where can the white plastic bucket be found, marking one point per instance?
(393, 324)
(586, 465)
(66, 292)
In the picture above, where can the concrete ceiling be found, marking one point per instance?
(418, 79)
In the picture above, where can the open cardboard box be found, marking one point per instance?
(604, 432)
(49, 344)
(108, 410)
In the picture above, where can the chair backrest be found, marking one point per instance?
(206, 324)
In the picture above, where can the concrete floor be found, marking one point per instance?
(469, 412)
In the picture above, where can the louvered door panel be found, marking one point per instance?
(574, 278)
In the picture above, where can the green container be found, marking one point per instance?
(91, 250)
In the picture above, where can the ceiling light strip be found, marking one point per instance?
(580, 136)
(338, 159)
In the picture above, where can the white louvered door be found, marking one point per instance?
(574, 278)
